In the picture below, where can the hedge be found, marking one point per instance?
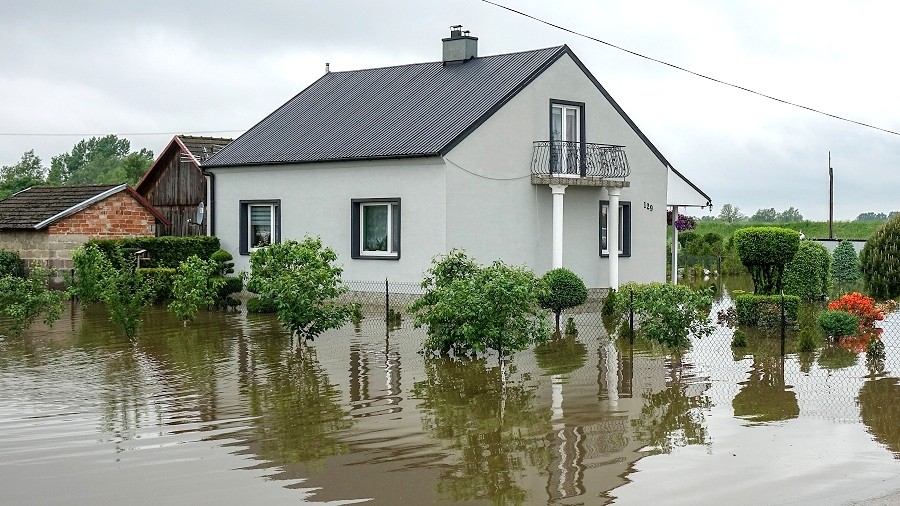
(754, 310)
(161, 280)
(167, 252)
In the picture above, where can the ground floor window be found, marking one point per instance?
(624, 229)
(260, 224)
(375, 228)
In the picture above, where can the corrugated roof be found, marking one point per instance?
(33, 207)
(411, 110)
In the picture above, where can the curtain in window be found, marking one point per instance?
(375, 228)
(260, 226)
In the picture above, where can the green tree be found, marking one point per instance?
(564, 290)
(23, 300)
(304, 283)
(100, 160)
(808, 274)
(26, 173)
(879, 262)
(89, 265)
(765, 215)
(846, 263)
(765, 251)
(668, 314)
(790, 215)
(471, 309)
(194, 286)
(871, 216)
(731, 214)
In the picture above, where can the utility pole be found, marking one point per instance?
(830, 199)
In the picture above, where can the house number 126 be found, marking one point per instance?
(648, 206)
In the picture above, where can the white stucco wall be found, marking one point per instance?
(316, 200)
(498, 213)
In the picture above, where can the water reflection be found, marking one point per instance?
(764, 396)
(492, 426)
(879, 406)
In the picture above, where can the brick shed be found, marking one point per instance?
(47, 223)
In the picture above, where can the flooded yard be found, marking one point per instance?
(229, 411)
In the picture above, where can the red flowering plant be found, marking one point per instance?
(868, 313)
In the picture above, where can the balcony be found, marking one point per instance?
(579, 164)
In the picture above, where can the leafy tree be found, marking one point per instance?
(846, 263)
(765, 251)
(668, 314)
(765, 215)
(808, 274)
(22, 300)
(470, 309)
(790, 215)
(194, 285)
(100, 160)
(304, 283)
(879, 263)
(731, 214)
(871, 216)
(11, 263)
(90, 265)
(26, 173)
(564, 290)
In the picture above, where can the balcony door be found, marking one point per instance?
(565, 139)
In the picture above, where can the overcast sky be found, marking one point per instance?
(149, 70)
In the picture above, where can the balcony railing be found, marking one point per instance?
(579, 159)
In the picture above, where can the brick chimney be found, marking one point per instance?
(460, 46)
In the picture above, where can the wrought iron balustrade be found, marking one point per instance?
(578, 159)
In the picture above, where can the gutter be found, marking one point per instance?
(211, 192)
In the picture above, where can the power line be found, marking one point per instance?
(88, 134)
(697, 74)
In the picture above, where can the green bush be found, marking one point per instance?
(879, 261)
(167, 251)
(22, 300)
(846, 263)
(765, 251)
(731, 262)
(160, 279)
(260, 306)
(11, 263)
(564, 290)
(709, 244)
(739, 340)
(194, 286)
(668, 314)
(765, 310)
(808, 274)
(470, 309)
(223, 260)
(230, 285)
(88, 263)
(838, 323)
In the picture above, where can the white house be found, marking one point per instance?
(514, 157)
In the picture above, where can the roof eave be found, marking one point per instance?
(324, 160)
(80, 206)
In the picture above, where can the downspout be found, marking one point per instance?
(211, 200)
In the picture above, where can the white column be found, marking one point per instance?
(674, 246)
(559, 190)
(612, 236)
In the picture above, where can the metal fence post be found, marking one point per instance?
(783, 323)
(387, 304)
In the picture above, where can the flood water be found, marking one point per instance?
(229, 411)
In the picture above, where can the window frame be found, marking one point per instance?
(244, 247)
(567, 104)
(357, 206)
(624, 227)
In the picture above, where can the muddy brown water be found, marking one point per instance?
(228, 410)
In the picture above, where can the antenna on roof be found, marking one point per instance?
(327, 68)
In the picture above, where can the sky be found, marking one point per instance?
(149, 70)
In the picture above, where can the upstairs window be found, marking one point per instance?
(375, 228)
(566, 137)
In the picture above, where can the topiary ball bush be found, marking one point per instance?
(879, 261)
(837, 323)
(765, 251)
(808, 274)
(563, 290)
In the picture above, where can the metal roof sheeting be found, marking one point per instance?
(411, 110)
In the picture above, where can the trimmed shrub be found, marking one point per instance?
(160, 279)
(845, 267)
(765, 251)
(765, 310)
(838, 323)
(261, 306)
(230, 285)
(11, 263)
(879, 261)
(167, 251)
(223, 260)
(739, 340)
(808, 274)
(564, 290)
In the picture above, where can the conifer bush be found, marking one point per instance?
(845, 267)
(879, 261)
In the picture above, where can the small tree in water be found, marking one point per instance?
(23, 300)
(304, 283)
(564, 290)
(194, 286)
(765, 251)
(470, 309)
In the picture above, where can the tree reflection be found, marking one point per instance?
(880, 411)
(561, 356)
(298, 407)
(673, 417)
(764, 396)
(493, 426)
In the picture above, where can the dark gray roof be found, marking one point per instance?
(39, 206)
(411, 110)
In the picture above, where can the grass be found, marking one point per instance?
(811, 229)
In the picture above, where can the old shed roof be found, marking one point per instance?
(40, 206)
(197, 148)
(421, 109)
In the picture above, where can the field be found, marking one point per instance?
(811, 229)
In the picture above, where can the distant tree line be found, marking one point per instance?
(98, 160)
(731, 214)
